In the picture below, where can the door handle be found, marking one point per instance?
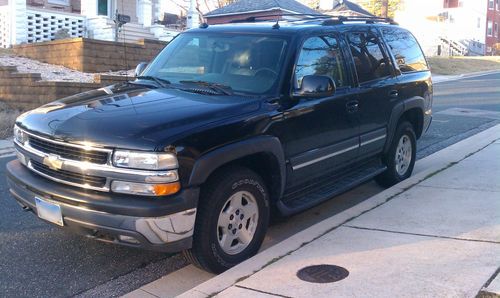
(393, 94)
(352, 106)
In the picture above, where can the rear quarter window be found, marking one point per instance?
(405, 49)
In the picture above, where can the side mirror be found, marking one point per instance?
(140, 68)
(315, 86)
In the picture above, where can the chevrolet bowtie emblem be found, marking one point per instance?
(53, 162)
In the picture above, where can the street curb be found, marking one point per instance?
(451, 78)
(430, 165)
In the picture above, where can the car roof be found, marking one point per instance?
(292, 27)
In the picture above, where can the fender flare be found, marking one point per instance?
(399, 109)
(209, 162)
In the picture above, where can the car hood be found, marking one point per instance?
(131, 116)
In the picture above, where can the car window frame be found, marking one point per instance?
(383, 50)
(393, 58)
(349, 76)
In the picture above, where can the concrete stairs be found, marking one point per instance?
(133, 33)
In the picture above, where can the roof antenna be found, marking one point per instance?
(277, 24)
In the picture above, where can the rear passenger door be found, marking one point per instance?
(414, 77)
(375, 89)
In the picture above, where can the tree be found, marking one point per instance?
(376, 7)
(314, 4)
(222, 3)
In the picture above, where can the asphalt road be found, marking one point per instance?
(38, 259)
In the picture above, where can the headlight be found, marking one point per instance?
(20, 136)
(145, 189)
(145, 160)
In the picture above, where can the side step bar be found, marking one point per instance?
(300, 201)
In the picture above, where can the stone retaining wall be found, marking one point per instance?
(26, 91)
(91, 55)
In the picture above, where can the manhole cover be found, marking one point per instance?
(322, 273)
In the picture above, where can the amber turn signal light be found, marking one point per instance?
(166, 189)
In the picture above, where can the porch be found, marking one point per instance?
(29, 21)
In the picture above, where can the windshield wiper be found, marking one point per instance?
(161, 82)
(226, 90)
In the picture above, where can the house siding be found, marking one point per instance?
(241, 16)
(74, 5)
(128, 8)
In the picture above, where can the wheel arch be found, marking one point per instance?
(263, 155)
(412, 110)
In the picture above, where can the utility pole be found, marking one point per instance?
(384, 11)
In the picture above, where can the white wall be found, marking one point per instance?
(419, 16)
(465, 21)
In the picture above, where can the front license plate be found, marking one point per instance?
(49, 211)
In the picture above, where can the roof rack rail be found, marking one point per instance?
(272, 17)
(334, 20)
(327, 19)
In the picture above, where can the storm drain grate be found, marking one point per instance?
(322, 273)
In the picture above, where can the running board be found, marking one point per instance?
(302, 200)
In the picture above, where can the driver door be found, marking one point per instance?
(320, 135)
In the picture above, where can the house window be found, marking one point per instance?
(496, 29)
(102, 7)
(59, 2)
(491, 4)
(489, 28)
(478, 23)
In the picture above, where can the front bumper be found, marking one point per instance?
(161, 224)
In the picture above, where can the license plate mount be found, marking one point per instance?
(49, 211)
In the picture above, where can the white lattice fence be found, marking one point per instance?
(4, 26)
(43, 25)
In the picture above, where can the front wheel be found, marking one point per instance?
(233, 216)
(400, 159)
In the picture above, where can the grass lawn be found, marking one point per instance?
(463, 65)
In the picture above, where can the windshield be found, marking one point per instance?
(244, 63)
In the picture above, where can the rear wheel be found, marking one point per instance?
(233, 215)
(400, 159)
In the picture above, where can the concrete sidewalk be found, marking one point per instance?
(435, 234)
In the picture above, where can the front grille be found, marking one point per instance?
(71, 177)
(68, 152)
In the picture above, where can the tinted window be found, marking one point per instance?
(368, 57)
(405, 49)
(246, 63)
(321, 56)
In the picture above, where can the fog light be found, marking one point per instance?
(128, 239)
(145, 189)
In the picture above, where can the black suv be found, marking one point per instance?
(227, 127)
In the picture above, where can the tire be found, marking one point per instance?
(400, 159)
(223, 234)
